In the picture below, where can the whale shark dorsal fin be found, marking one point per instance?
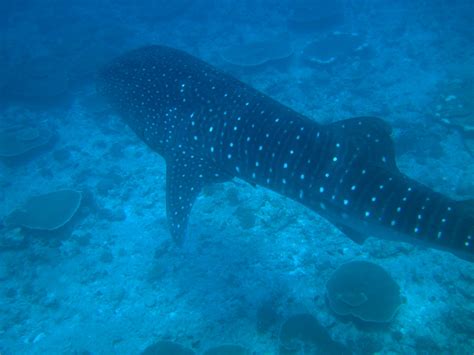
(186, 175)
(371, 134)
(351, 233)
(467, 205)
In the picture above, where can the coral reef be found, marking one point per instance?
(302, 333)
(19, 139)
(333, 47)
(166, 348)
(364, 290)
(257, 53)
(228, 349)
(46, 212)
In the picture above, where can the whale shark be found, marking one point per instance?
(210, 127)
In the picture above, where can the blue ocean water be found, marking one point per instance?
(87, 264)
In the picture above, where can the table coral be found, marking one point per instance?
(364, 290)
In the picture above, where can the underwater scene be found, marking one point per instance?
(236, 177)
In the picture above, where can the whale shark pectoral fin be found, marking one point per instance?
(186, 175)
(371, 134)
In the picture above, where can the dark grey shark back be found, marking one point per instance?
(210, 127)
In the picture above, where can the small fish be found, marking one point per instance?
(211, 127)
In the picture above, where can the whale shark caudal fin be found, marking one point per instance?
(186, 175)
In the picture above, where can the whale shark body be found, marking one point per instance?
(211, 127)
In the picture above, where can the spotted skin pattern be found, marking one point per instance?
(211, 127)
